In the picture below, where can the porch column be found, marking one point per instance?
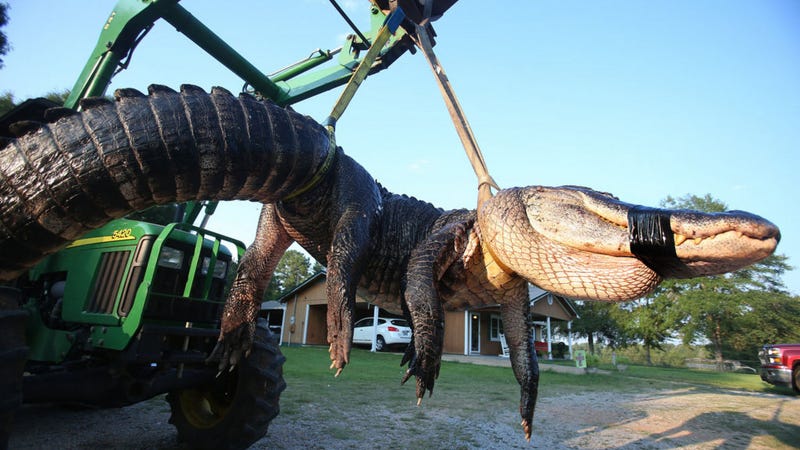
(283, 324)
(569, 338)
(374, 326)
(466, 332)
(549, 340)
(305, 326)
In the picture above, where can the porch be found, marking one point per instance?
(478, 331)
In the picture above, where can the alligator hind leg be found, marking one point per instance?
(428, 264)
(515, 313)
(252, 277)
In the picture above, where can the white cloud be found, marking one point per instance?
(352, 5)
(419, 166)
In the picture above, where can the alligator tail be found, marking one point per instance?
(84, 169)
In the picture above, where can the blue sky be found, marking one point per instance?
(640, 99)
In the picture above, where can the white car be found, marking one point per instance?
(391, 331)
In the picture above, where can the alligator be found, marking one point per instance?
(80, 170)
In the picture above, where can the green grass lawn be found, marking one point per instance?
(308, 377)
(722, 380)
(307, 371)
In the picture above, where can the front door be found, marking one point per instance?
(475, 333)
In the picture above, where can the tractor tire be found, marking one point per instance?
(796, 378)
(235, 410)
(13, 354)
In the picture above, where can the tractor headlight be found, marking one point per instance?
(220, 268)
(171, 258)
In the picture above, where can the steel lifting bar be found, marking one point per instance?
(132, 19)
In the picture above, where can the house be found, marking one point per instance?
(477, 331)
(300, 318)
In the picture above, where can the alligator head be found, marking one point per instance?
(589, 245)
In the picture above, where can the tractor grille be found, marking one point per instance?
(167, 301)
(164, 307)
(106, 285)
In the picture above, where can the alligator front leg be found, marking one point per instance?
(516, 325)
(427, 265)
(252, 277)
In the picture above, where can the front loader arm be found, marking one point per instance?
(130, 20)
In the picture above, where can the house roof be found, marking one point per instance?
(567, 309)
(308, 281)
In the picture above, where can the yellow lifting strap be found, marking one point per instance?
(485, 181)
(384, 33)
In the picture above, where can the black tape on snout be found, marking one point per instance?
(652, 239)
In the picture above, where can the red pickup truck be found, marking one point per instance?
(780, 365)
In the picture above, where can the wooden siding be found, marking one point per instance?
(488, 347)
(454, 332)
(556, 311)
(312, 295)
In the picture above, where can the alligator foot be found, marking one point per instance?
(526, 410)
(339, 350)
(526, 426)
(425, 368)
(529, 391)
(236, 336)
(340, 355)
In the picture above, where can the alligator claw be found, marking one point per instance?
(339, 357)
(233, 346)
(237, 331)
(526, 426)
(426, 372)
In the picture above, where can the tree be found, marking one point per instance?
(772, 320)
(648, 320)
(293, 268)
(4, 45)
(58, 96)
(598, 320)
(7, 101)
(718, 308)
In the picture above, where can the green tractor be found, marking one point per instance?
(132, 310)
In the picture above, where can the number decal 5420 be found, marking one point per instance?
(125, 233)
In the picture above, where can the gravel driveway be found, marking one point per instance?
(684, 417)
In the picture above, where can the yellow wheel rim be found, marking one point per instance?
(204, 409)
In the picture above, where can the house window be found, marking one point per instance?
(495, 327)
